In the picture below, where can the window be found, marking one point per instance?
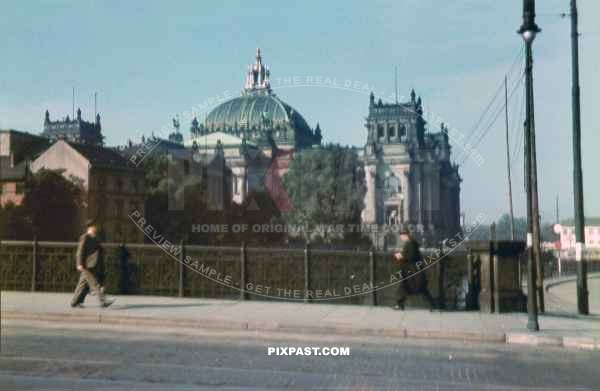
(393, 131)
(402, 131)
(380, 131)
(118, 208)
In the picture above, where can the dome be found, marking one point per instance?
(255, 111)
(270, 120)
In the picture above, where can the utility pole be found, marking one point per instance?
(396, 83)
(582, 292)
(557, 225)
(528, 31)
(537, 253)
(510, 199)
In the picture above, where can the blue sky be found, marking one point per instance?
(150, 60)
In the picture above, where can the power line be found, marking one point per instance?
(475, 130)
(495, 118)
(493, 121)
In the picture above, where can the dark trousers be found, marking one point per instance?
(88, 280)
(413, 283)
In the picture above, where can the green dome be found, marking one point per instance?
(255, 111)
(259, 114)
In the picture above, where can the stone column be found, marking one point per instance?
(244, 183)
(419, 200)
(386, 131)
(369, 214)
(406, 188)
(429, 200)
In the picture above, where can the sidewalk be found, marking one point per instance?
(561, 294)
(187, 313)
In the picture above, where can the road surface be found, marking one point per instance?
(50, 356)
(563, 297)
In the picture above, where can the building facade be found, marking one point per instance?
(74, 130)
(113, 186)
(17, 150)
(411, 181)
(591, 232)
(252, 130)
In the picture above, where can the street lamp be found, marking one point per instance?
(528, 31)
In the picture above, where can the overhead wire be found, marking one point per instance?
(499, 111)
(476, 129)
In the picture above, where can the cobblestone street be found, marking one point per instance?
(126, 359)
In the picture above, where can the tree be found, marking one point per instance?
(327, 187)
(12, 222)
(503, 228)
(51, 209)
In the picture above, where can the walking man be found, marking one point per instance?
(90, 262)
(414, 280)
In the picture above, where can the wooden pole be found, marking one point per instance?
(510, 198)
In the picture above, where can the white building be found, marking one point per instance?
(591, 231)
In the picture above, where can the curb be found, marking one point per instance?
(552, 283)
(584, 343)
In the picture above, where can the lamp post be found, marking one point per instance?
(528, 31)
(582, 292)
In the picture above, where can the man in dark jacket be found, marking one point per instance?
(90, 262)
(414, 280)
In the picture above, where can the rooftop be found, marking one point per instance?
(102, 157)
(589, 221)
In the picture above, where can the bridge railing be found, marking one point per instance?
(345, 276)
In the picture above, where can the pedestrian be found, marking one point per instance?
(90, 262)
(414, 280)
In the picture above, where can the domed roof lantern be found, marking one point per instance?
(257, 77)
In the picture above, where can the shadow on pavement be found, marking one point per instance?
(141, 306)
(569, 315)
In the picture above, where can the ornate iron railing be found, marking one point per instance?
(148, 269)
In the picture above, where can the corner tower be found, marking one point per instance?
(411, 181)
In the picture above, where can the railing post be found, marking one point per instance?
(372, 276)
(441, 266)
(243, 293)
(124, 269)
(34, 264)
(306, 272)
(470, 301)
(181, 268)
